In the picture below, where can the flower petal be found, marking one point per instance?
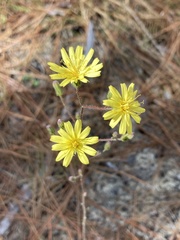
(129, 127)
(122, 127)
(83, 158)
(136, 117)
(55, 138)
(93, 74)
(59, 147)
(124, 91)
(88, 58)
(95, 63)
(65, 57)
(115, 93)
(79, 52)
(85, 133)
(65, 82)
(139, 110)
(55, 76)
(108, 115)
(64, 134)
(115, 121)
(54, 67)
(78, 128)
(89, 150)
(61, 155)
(84, 80)
(69, 128)
(91, 140)
(131, 88)
(72, 55)
(68, 158)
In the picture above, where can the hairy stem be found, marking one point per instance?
(83, 205)
(70, 115)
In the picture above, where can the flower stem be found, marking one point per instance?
(89, 106)
(78, 97)
(79, 100)
(83, 205)
(70, 115)
(96, 108)
(108, 139)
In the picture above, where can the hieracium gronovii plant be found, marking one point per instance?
(122, 107)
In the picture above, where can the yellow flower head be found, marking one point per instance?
(75, 67)
(72, 141)
(124, 106)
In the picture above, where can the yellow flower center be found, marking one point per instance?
(75, 144)
(124, 106)
(75, 75)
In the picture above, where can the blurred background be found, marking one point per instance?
(133, 190)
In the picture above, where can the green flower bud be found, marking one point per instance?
(50, 130)
(60, 123)
(126, 137)
(57, 88)
(107, 146)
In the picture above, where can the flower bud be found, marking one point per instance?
(50, 130)
(107, 146)
(57, 88)
(126, 137)
(60, 123)
(114, 135)
(73, 179)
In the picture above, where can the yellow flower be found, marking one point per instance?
(75, 67)
(72, 141)
(124, 106)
